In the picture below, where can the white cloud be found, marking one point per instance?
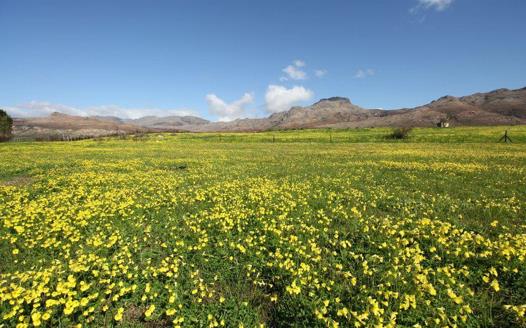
(294, 73)
(438, 5)
(320, 72)
(278, 98)
(363, 73)
(44, 108)
(299, 63)
(231, 111)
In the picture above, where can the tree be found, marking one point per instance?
(6, 126)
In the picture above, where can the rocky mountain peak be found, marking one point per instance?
(334, 99)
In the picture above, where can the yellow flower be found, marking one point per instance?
(293, 288)
(84, 286)
(71, 305)
(35, 317)
(495, 285)
(342, 312)
(84, 301)
(493, 271)
(118, 315)
(149, 311)
(454, 297)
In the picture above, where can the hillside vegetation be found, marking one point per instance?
(268, 229)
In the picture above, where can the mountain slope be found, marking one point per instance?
(63, 126)
(167, 122)
(499, 107)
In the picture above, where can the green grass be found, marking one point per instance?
(434, 135)
(243, 229)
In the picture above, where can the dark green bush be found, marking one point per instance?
(6, 126)
(399, 133)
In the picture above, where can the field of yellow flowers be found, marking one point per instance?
(201, 231)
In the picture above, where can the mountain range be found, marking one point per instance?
(498, 107)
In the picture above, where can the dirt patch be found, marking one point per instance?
(19, 181)
(135, 315)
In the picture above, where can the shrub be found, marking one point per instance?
(399, 133)
(6, 126)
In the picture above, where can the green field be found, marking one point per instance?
(284, 228)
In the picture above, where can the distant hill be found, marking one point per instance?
(155, 122)
(499, 107)
(167, 122)
(63, 126)
(113, 119)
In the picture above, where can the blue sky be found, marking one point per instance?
(230, 59)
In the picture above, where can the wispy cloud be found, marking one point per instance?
(364, 73)
(320, 72)
(44, 108)
(294, 71)
(278, 98)
(299, 63)
(229, 111)
(438, 5)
